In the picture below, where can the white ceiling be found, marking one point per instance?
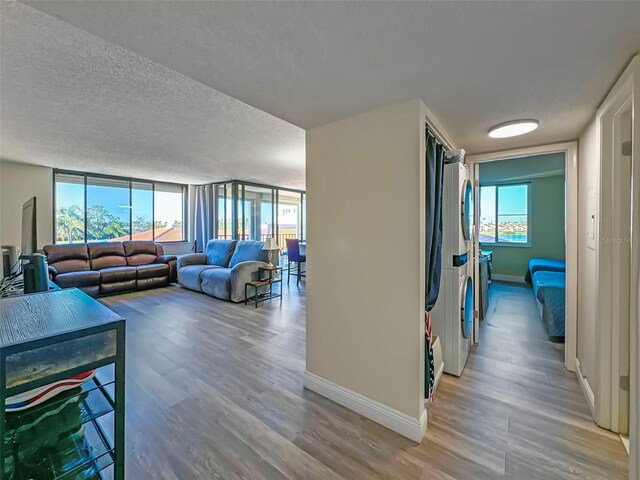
(69, 99)
(474, 63)
(135, 86)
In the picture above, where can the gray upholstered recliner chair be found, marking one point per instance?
(223, 269)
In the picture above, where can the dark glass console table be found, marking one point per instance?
(45, 338)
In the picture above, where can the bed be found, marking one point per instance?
(549, 289)
(544, 264)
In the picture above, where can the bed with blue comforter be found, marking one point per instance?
(544, 264)
(549, 288)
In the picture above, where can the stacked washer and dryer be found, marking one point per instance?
(452, 315)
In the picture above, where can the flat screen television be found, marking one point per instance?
(29, 229)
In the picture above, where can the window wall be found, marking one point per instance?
(256, 209)
(69, 201)
(108, 209)
(254, 212)
(289, 215)
(91, 208)
(504, 214)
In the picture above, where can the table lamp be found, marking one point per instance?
(270, 244)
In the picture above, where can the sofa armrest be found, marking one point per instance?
(53, 272)
(192, 259)
(242, 273)
(171, 261)
(165, 258)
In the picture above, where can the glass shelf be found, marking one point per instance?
(61, 438)
(89, 455)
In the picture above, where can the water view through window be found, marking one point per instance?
(504, 214)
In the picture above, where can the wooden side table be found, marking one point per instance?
(273, 275)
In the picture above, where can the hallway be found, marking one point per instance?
(516, 411)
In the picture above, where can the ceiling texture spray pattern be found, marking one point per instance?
(136, 85)
(72, 100)
(475, 63)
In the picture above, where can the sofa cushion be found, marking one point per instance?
(247, 250)
(153, 270)
(68, 257)
(144, 283)
(115, 287)
(92, 291)
(106, 254)
(140, 252)
(217, 283)
(78, 279)
(219, 252)
(189, 276)
(117, 274)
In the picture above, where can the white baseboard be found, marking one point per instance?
(507, 278)
(391, 418)
(437, 361)
(625, 441)
(586, 389)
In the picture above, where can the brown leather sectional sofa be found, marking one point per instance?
(110, 267)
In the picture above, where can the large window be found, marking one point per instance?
(289, 215)
(252, 211)
(504, 214)
(91, 208)
(258, 211)
(107, 209)
(69, 201)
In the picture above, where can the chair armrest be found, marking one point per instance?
(165, 258)
(53, 272)
(242, 273)
(192, 259)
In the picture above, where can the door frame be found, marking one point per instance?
(626, 91)
(570, 150)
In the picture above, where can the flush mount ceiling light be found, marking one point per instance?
(513, 128)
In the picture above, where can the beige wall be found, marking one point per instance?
(19, 182)
(365, 287)
(588, 175)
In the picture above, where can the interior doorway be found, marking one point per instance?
(521, 232)
(515, 189)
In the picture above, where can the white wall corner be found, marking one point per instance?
(407, 426)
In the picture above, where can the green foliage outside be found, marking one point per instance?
(101, 225)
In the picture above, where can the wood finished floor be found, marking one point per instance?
(214, 390)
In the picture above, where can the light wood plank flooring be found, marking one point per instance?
(214, 390)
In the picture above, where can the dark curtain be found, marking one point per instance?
(433, 245)
(204, 216)
(433, 238)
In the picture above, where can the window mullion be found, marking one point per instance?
(130, 211)
(85, 208)
(153, 211)
(496, 213)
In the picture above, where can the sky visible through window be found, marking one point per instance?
(109, 214)
(511, 212)
(167, 209)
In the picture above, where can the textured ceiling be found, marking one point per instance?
(474, 63)
(69, 99)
